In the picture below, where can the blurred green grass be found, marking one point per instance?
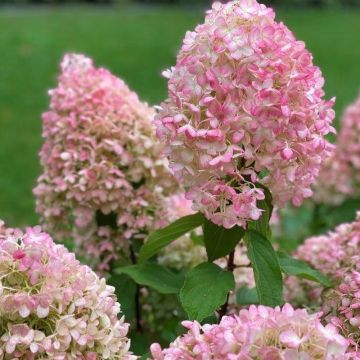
(136, 44)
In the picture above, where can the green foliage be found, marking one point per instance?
(162, 237)
(140, 344)
(197, 239)
(295, 227)
(205, 290)
(155, 276)
(125, 290)
(331, 216)
(219, 241)
(267, 273)
(291, 266)
(247, 296)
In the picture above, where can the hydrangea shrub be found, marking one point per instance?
(104, 178)
(246, 107)
(332, 254)
(51, 306)
(258, 333)
(340, 176)
(342, 305)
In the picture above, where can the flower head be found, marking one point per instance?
(104, 176)
(258, 333)
(245, 108)
(332, 254)
(51, 306)
(342, 304)
(340, 175)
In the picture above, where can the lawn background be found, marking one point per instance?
(136, 44)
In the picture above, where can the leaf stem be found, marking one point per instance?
(230, 267)
(139, 327)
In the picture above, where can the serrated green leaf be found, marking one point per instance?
(219, 241)
(247, 296)
(266, 267)
(155, 276)
(162, 237)
(291, 266)
(205, 289)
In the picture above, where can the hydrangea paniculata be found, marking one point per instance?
(342, 304)
(339, 177)
(258, 333)
(349, 137)
(104, 176)
(246, 107)
(332, 254)
(51, 306)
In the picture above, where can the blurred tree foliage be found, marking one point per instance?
(297, 3)
(276, 3)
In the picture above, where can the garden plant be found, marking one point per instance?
(163, 229)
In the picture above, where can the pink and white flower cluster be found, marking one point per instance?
(51, 306)
(342, 305)
(245, 108)
(340, 176)
(332, 254)
(104, 177)
(258, 333)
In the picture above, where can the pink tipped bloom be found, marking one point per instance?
(52, 307)
(340, 175)
(331, 254)
(246, 107)
(342, 305)
(258, 333)
(104, 177)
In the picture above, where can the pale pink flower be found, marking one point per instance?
(342, 304)
(52, 307)
(246, 107)
(258, 333)
(340, 175)
(332, 254)
(104, 177)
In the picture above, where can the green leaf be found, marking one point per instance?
(139, 344)
(155, 276)
(262, 225)
(197, 239)
(220, 241)
(212, 319)
(125, 290)
(247, 296)
(162, 237)
(205, 289)
(291, 266)
(266, 267)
